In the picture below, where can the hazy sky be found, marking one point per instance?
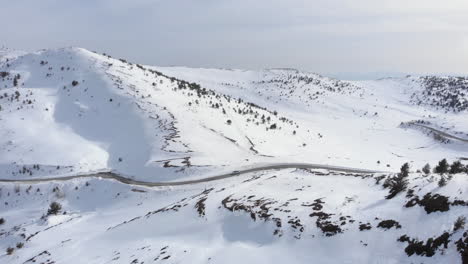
(326, 36)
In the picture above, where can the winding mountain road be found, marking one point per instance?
(441, 133)
(129, 181)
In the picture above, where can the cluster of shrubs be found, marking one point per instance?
(10, 250)
(399, 182)
(291, 79)
(444, 92)
(251, 110)
(13, 96)
(429, 247)
(444, 167)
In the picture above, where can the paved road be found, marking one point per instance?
(441, 133)
(114, 176)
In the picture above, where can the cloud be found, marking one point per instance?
(320, 35)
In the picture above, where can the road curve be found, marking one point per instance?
(441, 133)
(125, 180)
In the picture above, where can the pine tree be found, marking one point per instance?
(54, 208)
(427, 168)
(442, 167)
(404, 170)
(399, 183)
(456, 167)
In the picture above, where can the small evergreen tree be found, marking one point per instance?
(399, 183)
(427, 168)
(404, 170)
(456, 167)
(459, 224)
(10, 250)
(442, 167)
(15, 79)
(442, 182)
(54, 208)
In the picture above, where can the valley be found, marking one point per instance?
(103, 160)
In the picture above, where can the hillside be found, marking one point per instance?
(180, 165)
(100, 113)
(346, 116)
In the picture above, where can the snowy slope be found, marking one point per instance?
(74, 112)
(99, 113)
(343, 116)
(282, 217)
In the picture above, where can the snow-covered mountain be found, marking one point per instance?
(304, 164)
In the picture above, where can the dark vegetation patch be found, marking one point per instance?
(442, 167)
(445, 93)
(459, 203)
(398, 183)
(317, 205)
(363, 227)
(54, 208)
(4, 74)
(427, 248)
(328, 228)
(324, 222)
(261, 209)
(257, 209)
(10, 250)
(296, 224)
(459, 223)
(387, 224)
(431, 203)
(434, 203)
(378, 179)
(462, 247)
(43, 254)
(200, 206)
(306, 87)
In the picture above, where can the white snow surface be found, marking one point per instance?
(71, 112)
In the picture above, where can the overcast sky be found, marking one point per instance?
(325, 36)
